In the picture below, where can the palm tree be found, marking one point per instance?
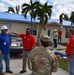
(66, 17)
(44, 14)
(72, 18)
(29, 8)
(16, 10)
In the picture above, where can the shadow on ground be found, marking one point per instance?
(15, 56)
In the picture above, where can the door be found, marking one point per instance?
(48, 32)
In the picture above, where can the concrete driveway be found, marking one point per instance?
(16, 67)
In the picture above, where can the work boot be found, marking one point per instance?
(22, 71)
(2, 73)
(9, 71)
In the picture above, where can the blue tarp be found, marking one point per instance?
(61, 53)
(19, 17)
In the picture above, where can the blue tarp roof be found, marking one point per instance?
(12, 17)
(19, 17)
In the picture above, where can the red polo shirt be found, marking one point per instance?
(70, 45)
(59, 33)
(28, 41)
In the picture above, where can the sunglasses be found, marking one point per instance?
(27, 30)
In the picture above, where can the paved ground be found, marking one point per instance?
(16, 65)
(58, 47)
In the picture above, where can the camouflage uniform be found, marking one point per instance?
(42, 61)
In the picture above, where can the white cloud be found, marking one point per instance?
(16, 2)
(6, 3)
(59, 6)
(62, 6)
(43, 1)
(2, 7)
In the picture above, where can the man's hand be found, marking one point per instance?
(68, 58)
(15, 33)
(0, 52)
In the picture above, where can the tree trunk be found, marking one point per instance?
(39, 33)
(31, 26)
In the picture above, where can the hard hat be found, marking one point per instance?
(4, 27)
(55, 30)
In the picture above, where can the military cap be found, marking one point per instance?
(45, 38)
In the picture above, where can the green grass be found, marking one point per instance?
(63, 64)
(64, 44)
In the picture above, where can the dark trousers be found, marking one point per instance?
(61, 21)
(59, 39)
(55, 43)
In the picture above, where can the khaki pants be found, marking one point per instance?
(25, 55)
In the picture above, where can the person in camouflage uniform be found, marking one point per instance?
(41, 60)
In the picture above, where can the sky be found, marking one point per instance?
(59, 6)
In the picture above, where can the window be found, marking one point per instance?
(34, 29)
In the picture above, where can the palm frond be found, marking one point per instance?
(11, 9)
(17, 9)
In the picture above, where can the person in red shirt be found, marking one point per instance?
(29, 43)
(59, 36)
(70, 51)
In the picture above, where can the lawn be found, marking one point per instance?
(63, 64)
(64, 44)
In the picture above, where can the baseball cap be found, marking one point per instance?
(45, 38)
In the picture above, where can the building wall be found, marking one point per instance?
(64, 39)
(52, 28)
(21, 28)
(16, 26)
